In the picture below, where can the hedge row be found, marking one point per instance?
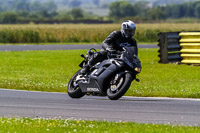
(81, 32)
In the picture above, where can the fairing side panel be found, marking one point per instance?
(99, 78)
(105, 76)
(91, 86)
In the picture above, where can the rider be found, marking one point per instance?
(113, 43)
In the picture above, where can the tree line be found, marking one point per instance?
(26, 11)
(146, 11)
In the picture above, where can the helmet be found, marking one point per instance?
(128, 29)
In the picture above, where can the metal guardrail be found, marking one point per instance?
(169, 47)
(190, 43)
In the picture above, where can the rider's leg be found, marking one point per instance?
(98, 57)
(92, 61)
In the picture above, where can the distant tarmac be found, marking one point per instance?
(58, 47)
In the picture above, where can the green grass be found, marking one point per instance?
(38, 70)
(52, 70)
(40, 125)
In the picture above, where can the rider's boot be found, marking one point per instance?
(94, 59)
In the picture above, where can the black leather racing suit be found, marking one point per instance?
(114, 41)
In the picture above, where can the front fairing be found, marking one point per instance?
(130, 58)
(82, 64)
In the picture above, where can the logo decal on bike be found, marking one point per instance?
(125, 44)
(92, 89)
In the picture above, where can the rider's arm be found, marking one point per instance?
(136, 48)
(134, 43)
(108, 42)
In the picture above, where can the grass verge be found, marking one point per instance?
(52, 70)
(22, 125)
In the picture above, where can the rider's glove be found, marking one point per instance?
(136, 57)
(110, 50)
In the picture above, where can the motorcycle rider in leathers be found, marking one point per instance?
(114, 43)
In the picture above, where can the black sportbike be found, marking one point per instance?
(111, 77)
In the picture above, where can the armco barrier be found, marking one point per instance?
(169, 47)
(190, 43)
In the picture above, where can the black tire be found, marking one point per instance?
(122, 88)
(74, 91)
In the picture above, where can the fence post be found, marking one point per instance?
(163, 51)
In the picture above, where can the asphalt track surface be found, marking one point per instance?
(16, 103)
(57, 47)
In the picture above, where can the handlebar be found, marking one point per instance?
(113, 55)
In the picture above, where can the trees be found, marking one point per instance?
(21, 5)
(36, 6)
(14, 11)
(144, 11)
(155, 14)
(121, 9)
(49, 9)
(25, 10)
(8, 17)
(188, 9)
(76, 13)
(197, 10)
(141, 8)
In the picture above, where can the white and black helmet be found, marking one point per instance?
(128, 29)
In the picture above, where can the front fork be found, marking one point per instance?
(118, 76)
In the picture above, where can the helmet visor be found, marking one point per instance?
(129, 32)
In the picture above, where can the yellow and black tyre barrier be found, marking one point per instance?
(190, 51)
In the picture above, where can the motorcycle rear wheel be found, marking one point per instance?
(116, 91)
(73, 89)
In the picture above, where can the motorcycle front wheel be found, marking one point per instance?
(119, 88)
(73, 89)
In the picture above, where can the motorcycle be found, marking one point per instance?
(111, 77)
